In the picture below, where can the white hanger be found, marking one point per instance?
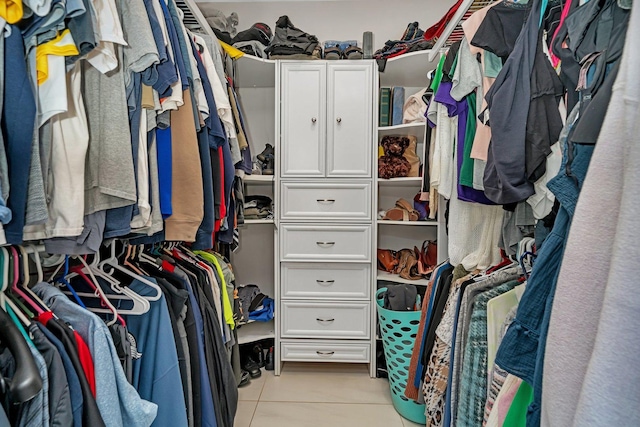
(113, 263)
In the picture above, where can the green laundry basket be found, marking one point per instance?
(399, 330)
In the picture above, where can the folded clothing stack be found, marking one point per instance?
(289, 40)
(254, 40)
(411, 41)
(258, 207)
(253, 305)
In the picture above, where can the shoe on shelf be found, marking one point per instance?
(258, 355)
(252, 367)
(266, 153)
(268, 166)
(256, 169)
(245, 379)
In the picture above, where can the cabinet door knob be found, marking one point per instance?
(325, 282)
(313, 120)
(325, 353)
(325, 320)
(326, 200)
(339, 120)
(325, 243)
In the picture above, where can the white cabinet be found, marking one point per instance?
(326, 119)
(349, 116)
(325, 211)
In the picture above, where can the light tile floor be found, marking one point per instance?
(318, 395)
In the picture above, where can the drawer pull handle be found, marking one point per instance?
(339, 120)
(326, 200)
(325, 353)
(326, 282)
(313, 120)
(325, 243)
(325, 320)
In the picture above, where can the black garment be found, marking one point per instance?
(449, 60)
(598, 26)
(60, 412)
(442, 293)
(289, 40)
(505, 177)
(222, 379)
(258, 31)
(544, 123)
(90, 413)
(120, 337)
(500, 28)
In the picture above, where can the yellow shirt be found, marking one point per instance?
(233, 52)
(226, 302)
(63, 45)
(11, 10)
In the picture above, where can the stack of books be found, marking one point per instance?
(391, 106)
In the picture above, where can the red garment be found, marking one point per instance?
(87, 362)
(437, 29)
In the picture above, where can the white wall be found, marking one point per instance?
(341, 19)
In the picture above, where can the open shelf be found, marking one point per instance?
(383, 275)
(409, 70)
(412, 223)
(258, 221)
(256, 331)
(401, 182)
(258, 179)
(403, 127)
(255, 72)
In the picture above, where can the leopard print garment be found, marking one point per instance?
(435, 383)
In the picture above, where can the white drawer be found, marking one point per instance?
(325, 320)
(338, 281)
(319, 351)
(325, 243)
(326, 201)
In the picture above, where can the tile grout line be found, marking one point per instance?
(253, 414)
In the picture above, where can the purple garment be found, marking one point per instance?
(460, 109)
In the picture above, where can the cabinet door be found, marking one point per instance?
(349, 120)
(303, 116)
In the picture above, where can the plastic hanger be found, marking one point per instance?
(113, 263)
(24, 257)
(16, 285)
(140, 304)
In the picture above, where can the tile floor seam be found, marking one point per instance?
(329, 403)
(253, 414)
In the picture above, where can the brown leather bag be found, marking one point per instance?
(387, 260)
(412, 156)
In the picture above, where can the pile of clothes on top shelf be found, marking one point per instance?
(252, 41)
(290, 42)
(412, 40)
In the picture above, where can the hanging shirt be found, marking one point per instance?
(116, 398)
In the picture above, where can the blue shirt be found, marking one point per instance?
(165, 170)
(119, 403)
(156, 374)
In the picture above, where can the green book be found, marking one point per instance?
(384, 117)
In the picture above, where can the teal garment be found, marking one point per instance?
(492, 64)
(473, 380)
(19, 325)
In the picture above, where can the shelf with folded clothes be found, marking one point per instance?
(431, 223)
(409, 69)
(258, 221)
(259, 179)
(256, 331)
(391, 277)
(407, 181)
